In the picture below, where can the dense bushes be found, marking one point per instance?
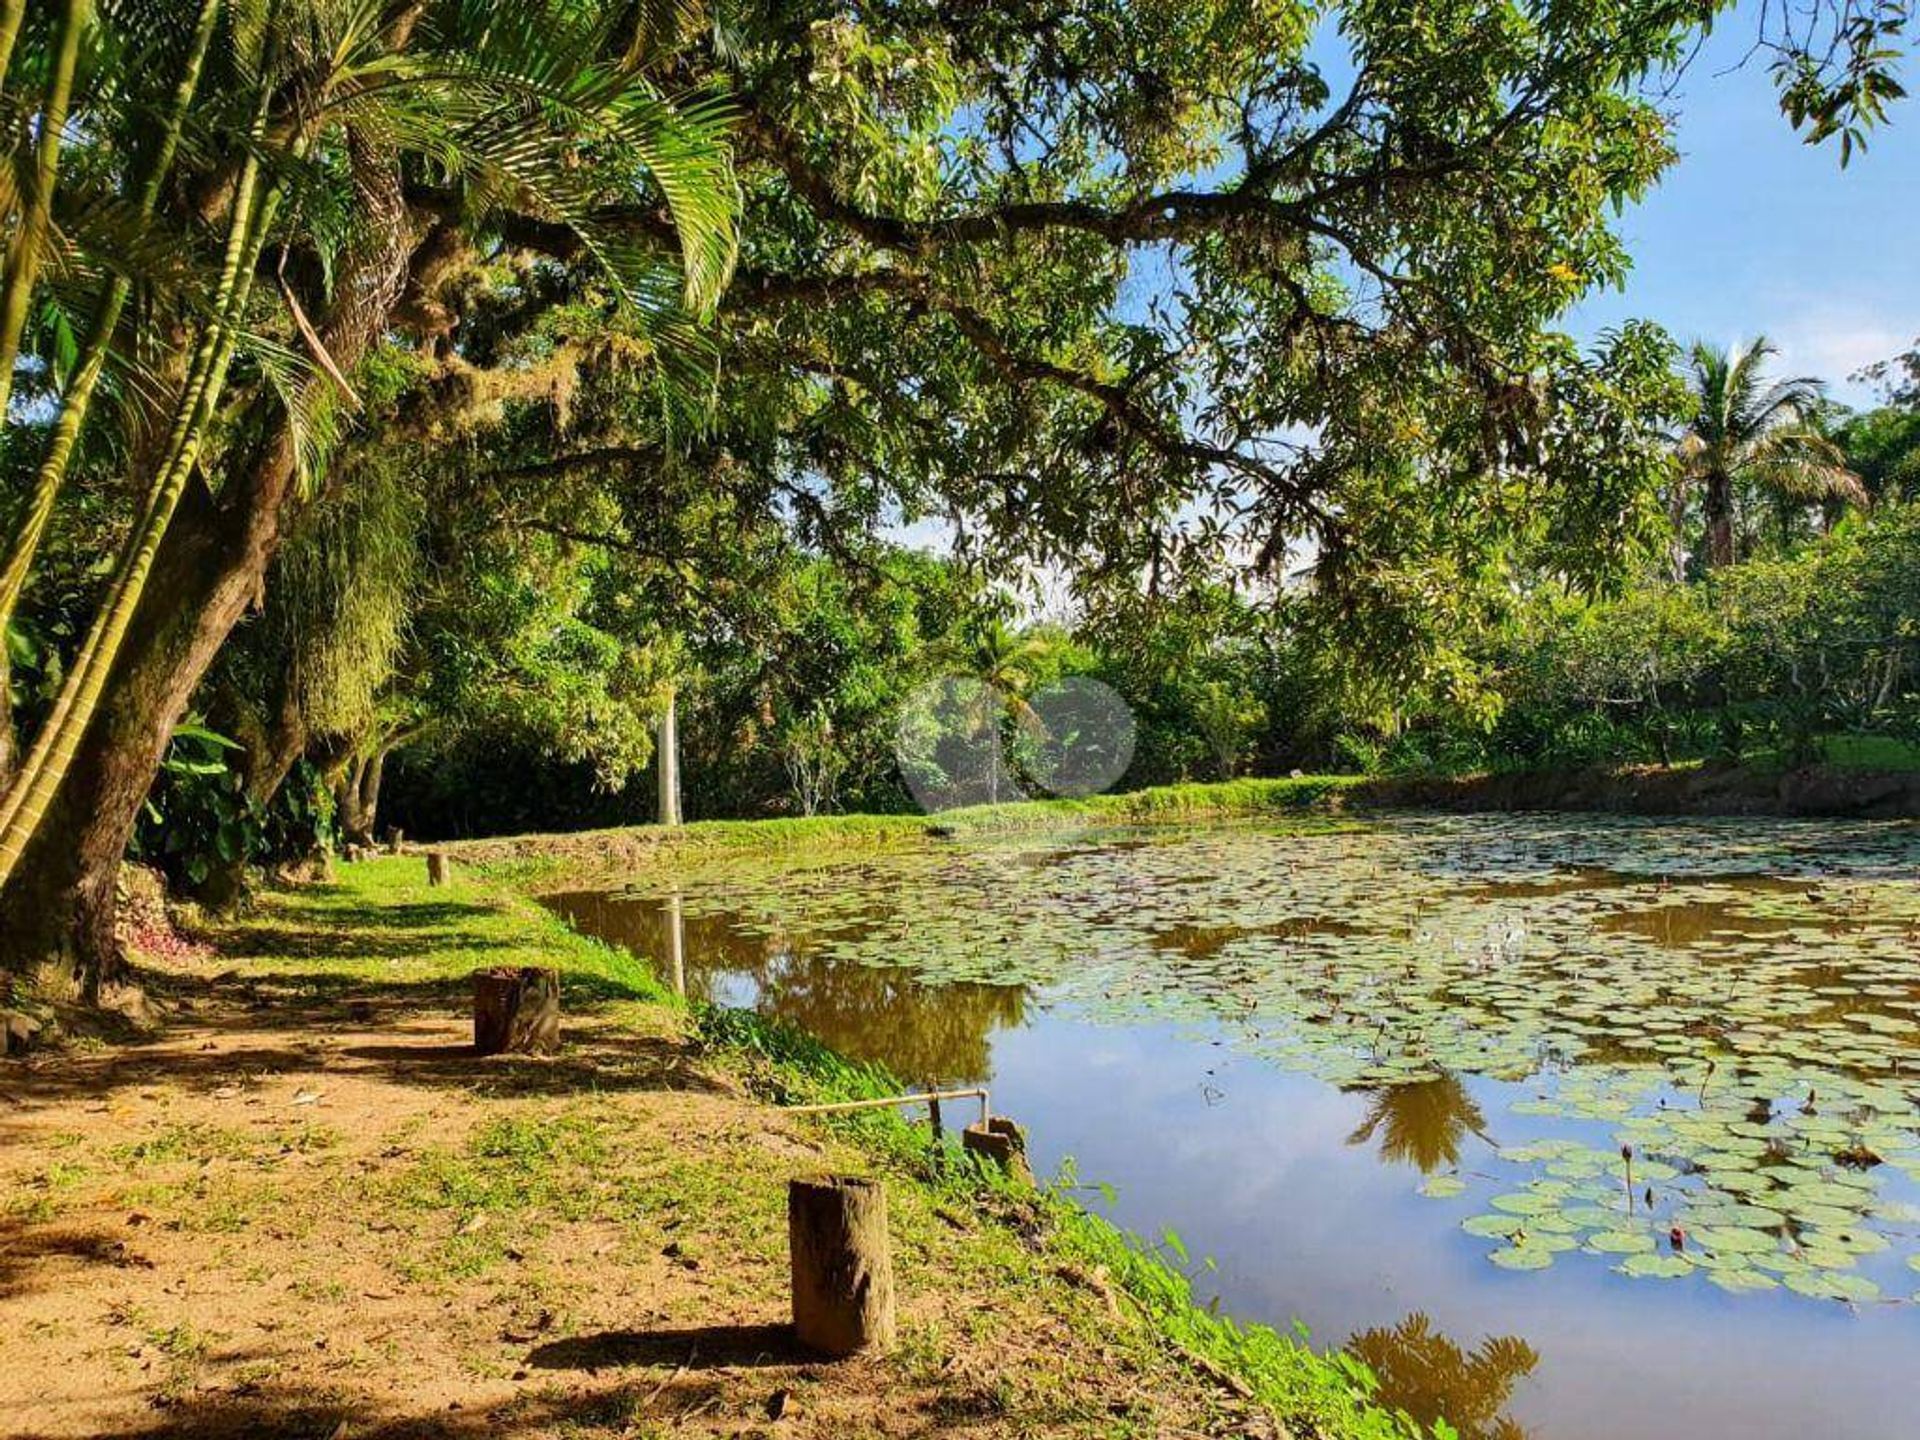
(1777, 660)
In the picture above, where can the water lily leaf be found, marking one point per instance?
(1522, 1257)
(1621, 1242)
(1525, 1202)
(1493, 1227)
(1643, 1267)
(1742, 1280)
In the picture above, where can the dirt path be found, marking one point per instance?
(308, 1210)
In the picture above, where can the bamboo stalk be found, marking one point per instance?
(12, 12)
(74, 405)
(23, 264)
(32, 789)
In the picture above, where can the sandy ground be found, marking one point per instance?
(309, 1212)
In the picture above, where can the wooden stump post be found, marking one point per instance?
(396, 842)
(439, 867)
(842, 1263)
(517, 1010)
(1001, 1142)
(16, 1032)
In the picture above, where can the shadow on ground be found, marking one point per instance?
(237, 1028)
(706, 1348)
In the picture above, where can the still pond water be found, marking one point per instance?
(1572, 1127)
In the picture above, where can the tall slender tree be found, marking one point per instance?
(64, 437)
(1753, 433)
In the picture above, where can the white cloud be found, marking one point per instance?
(1836, 342)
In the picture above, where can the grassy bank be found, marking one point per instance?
(1870, 785)
(384, 927)
(524, 856)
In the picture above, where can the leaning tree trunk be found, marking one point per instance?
(270, 758)
(57, 908)
(59, 904)
(12, 12)
(346, 799)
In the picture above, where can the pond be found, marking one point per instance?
(1571, 1126)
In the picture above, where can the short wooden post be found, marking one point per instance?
(1002, 1143)
(396, 841)
(16, 1032)
(439, 867)
(842, 1263)
(516, 1009)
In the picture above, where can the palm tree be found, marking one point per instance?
(1747, 433)
(28, 243)
(1003, 660)
(24, 544)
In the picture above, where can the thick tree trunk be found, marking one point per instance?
(368, 802)
(280, 750)
(346, 800)
(270, 758)
(58, 907)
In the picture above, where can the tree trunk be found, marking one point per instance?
(270, 758)
(842, 1264)
(346, 801)
(279, 751)
(59, 904)
(667, 761)
(516, 1011)
(1719, 511)
(368, 801)
(57, 908)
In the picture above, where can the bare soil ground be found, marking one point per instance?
(306, 1209)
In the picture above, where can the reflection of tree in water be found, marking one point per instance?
(923, 1033)
(1421, 1124)
(1430, 1377)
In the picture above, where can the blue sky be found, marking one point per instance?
(1753, 230)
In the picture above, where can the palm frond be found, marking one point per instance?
(1799, 463)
